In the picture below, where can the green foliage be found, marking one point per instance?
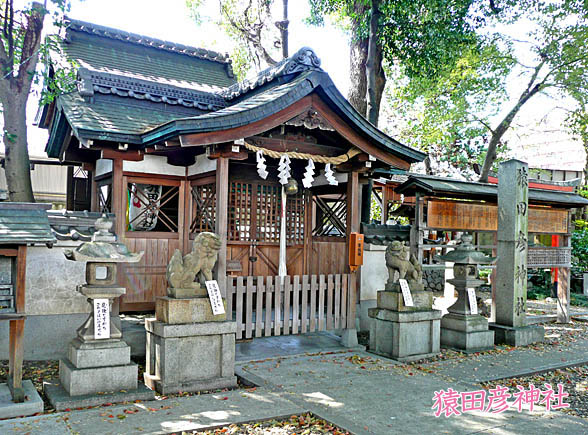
(580, 250)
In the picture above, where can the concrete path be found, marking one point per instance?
(356, 390)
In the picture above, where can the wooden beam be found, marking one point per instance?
(21, 277)
(221, 221)
(284, 145)
(225, 150)
(232, 134)
(355, 138)
(131, 155)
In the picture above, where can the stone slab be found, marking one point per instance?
(193, 386)
(97, 379)
(32, 404)
(517, 336)
(181, 311)
(186, 330)
(61, 400)
(467, 341)
(99, 354)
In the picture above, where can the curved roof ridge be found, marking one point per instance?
(304, 59)
(110, 32)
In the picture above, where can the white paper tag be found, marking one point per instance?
(101, 319)
(407, 296)
(472, 300)
(216, 300)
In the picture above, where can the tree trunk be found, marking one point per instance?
(17, 166)
(283, 26)
(373, 108)
(504, 125)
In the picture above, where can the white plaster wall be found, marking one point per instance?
(154, 165)
(103, 166)
(203, 164)
(52, 280)
(374, 272)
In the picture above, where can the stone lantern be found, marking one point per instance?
(98, 360)
(460, 329)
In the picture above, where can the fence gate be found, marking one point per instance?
(264, 306)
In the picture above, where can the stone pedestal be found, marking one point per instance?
(97, 367)
(404, 333)
(190, 357)
(467, 333)
(404, 336)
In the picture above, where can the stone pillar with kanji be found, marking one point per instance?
(511, 269)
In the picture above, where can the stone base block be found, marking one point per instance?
(182, 293)
(181, 311)
(467, 341)
(517, 336)
(99, 353)
(79, 381)
(467, 333)
(190, 357)
(61, 400)
(349, 338)
(204, 385)
(393, 300)
(32, 404)
(405, 336)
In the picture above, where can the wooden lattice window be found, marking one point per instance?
(240, 211)
(331, 215)
(152, 206)
(203, 208)
(254, 213)
(104, 196)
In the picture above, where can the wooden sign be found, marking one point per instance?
(406, 295)
(101, 319)
(473, 216)
(216, 300)
(472, 300)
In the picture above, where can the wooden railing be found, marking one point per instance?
(264, 306)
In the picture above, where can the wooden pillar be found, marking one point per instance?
(563, 286)
(119, 208)
(16, 327)
(222, 211)
(353, 210)
(307, 259)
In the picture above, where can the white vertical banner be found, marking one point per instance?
(406, 295)
(472, 300)
(101, 319)
(216, 300)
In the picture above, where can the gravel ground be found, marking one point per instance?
(574, 380)
(297, 424)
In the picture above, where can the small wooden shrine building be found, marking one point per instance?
(175, 146)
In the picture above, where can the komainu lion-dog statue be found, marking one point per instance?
(195, 268)
(397, 260)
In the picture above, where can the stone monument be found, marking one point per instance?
(461, 328)
(403, 331)
(98, 360)
(510, 299)
(190, 343)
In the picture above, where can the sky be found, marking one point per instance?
(170, 20)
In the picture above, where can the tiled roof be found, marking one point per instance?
(24, 223)
(119, 56)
